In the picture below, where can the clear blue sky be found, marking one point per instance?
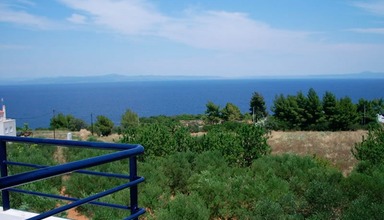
(40, 38)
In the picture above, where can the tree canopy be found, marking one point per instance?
(103, 125)
(257, 107)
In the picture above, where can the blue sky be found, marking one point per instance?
(248, 38)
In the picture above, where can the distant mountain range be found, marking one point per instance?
(362, 75)
(108, 78)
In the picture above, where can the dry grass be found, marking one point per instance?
(81, 135)
(332, 146)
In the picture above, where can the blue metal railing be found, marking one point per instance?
(7, 183)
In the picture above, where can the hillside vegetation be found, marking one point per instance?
(334, 147)
(185, 184)
(221, 165)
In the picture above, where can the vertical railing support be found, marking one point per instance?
(4, 172)
(133, 190)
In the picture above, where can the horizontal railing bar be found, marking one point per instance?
(136, 215)
(70, 143)
(23, 178)
(86, 200)
(125, 151)
(95, 173)
(67, 198)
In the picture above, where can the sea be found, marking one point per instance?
(37, 104)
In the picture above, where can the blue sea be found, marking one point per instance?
(36, 104)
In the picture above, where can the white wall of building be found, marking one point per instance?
(7, 126)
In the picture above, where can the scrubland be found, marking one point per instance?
(334, 147)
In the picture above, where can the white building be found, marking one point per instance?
(7, 126)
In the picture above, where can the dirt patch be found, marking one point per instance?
(84, 134)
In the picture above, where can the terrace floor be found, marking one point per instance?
(13, 214)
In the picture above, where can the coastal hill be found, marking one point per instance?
(107, 78)
(110, 78)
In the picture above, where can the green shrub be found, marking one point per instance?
(371, 149)
(184, 207)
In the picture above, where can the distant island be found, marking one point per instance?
(110, 78)
(107, 78)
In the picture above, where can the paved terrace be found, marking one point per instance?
(13, 214)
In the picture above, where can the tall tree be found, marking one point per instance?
(128, 119)
(257, 106)
(59, 121)
(302, 113)
(314, 111)
(346, 115)
(103, 125)
(286, 111)
(212, 113)
(329, 102)
(231, 112)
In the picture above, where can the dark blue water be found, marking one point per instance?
(35, 104)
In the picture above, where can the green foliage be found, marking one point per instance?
(160, 139)
(368, 110)
(310, 113)
(257, 106)
(203, 182)
(33, 154)
(371, 149)
(239, 146)
(227, 173)
(254, 144)
(329, 108)
(103, 125)
(128, 119)
(189, 207)
(346, 116)
(160, 119)
(61, 121)
(365, 194)
(314, 112)
(231, 112)
(212, 113)
(286, 110)
(177, 170)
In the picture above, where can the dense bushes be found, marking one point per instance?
(371, 149)
(33, 154)
(274, 187)
(240, 144)
(224, 174)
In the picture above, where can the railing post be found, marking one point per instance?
(133, 190)
(4, 172)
